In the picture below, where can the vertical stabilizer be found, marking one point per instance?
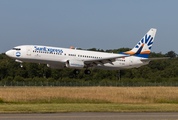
(143, 47)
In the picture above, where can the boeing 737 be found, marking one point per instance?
(58, 58)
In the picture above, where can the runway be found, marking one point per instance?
(92, 116)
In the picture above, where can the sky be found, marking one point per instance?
(101, 24)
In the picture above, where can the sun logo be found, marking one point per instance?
(18, 54)
(147, 40)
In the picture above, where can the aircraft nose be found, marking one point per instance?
(8, 53)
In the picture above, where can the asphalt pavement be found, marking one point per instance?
(93, 116)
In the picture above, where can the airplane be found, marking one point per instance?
(58, 58)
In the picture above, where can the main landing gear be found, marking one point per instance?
(87, 72)
(76, 72)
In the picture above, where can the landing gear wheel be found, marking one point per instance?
(76, 72)
(87, 72)
(21, 65)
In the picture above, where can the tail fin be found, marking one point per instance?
(143, 48)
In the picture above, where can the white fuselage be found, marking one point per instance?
(57, 57)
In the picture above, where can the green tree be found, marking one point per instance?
(171, 54)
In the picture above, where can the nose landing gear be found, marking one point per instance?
(21, 65)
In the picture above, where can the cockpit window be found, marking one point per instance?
(16, 49)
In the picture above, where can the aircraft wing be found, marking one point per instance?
(102, 61)
(151, 59)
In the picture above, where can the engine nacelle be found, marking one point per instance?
(55, 66)
(76, 64)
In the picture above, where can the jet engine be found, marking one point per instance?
(76, 64)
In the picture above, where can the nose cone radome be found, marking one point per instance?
(9, 53)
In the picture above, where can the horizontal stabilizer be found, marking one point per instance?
(151, 59)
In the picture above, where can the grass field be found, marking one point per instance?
(91, 99)
(83, 107)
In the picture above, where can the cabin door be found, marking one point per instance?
(28, 51)
(131, 61)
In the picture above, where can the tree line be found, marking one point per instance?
(155, 71)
